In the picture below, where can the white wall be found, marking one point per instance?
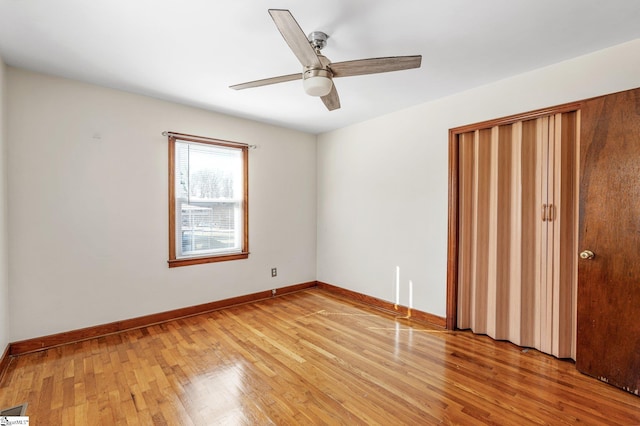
(4, 272)
(382, 184)
(87, 196)
(88, 204)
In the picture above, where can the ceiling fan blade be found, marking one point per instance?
(267, 81)
(295, 37)
(332, 100)
(375, 65)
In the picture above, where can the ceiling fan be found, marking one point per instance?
(317, 71)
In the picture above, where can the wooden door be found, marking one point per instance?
(608, 340)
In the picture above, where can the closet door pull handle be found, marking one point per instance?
(544, 212)
(550, 213)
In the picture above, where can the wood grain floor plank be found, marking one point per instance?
(305, 358)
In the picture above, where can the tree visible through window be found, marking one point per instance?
(207, 200)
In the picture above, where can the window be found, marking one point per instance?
(208, 217)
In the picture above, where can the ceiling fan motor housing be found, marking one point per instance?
(317, 82)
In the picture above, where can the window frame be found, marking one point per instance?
(174, 261)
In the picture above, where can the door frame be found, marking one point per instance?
(453, 217)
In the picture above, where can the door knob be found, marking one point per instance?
(587, 255)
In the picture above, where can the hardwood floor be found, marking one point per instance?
(305, 358)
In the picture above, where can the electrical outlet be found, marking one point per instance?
(274, 272)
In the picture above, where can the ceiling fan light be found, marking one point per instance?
(317, 82)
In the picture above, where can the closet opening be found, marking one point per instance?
(513, 229)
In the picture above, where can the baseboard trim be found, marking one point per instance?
(53, 340)
(392, 308)
(47, 342)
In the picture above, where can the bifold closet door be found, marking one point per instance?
(513, 183)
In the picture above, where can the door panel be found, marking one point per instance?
(564, 213)
(608, 312)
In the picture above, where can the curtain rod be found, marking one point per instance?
(194, 138)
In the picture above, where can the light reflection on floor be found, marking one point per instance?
(226, 407)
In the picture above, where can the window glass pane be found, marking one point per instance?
(208, 194)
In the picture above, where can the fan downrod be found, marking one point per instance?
(318, 40)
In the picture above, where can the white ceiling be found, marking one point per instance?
(190, 51)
